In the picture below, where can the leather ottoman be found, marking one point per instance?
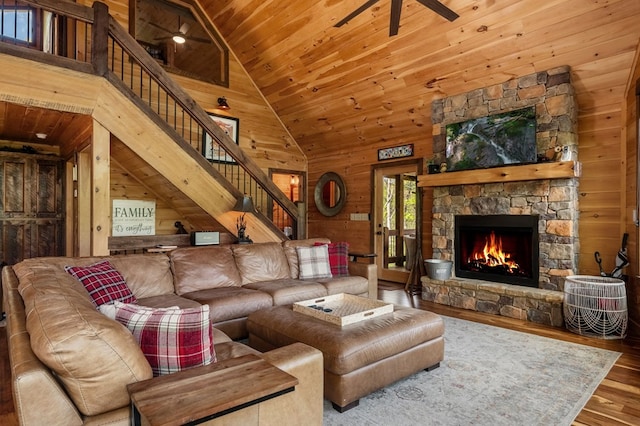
(358, 358)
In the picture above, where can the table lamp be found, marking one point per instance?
(244, 205)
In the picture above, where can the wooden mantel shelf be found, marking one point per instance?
(538, 171)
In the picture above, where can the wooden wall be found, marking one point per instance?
(602, 190)
(355, 163)
(632, 139)
(346, 92)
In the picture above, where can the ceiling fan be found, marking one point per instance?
(396, 8)
(180, 36)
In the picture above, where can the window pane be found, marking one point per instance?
(18, 24)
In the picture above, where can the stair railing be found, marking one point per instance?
(90, 40)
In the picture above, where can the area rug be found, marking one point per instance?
(490, 376)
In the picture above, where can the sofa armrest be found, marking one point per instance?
(29, 377)
(370, 272)
(305, 404)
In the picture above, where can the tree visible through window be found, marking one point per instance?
(398, 213)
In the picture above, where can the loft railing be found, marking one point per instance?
(90, 40)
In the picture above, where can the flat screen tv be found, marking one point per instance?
(496, 140)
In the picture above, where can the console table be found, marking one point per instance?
(200, 394)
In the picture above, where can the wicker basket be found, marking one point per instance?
(595, 306)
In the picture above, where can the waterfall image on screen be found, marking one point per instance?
(496, 140)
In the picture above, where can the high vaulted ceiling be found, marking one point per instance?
(337, 89)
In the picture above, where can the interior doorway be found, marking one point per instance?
(395, 219)
(293, 184)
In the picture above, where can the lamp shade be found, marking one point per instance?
(244, 204)
(222, 103)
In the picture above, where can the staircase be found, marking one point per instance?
(129, 94)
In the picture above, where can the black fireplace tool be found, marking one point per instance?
(622, 259)
(599, 262)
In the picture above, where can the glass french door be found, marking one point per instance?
(395, 218)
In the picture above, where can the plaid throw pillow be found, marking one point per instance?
(103, 282)
(313, 262)
(171, 339)
(338, 258)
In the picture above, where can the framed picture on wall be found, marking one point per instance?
(211, 150)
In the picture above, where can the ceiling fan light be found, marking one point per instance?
(179, 38)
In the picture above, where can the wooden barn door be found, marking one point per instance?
(32, 209)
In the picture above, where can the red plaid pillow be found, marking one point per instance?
(338, 258)
(103, 282)
(171, 339)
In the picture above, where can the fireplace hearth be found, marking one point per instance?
(498, 248)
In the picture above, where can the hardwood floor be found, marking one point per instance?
(615, 402)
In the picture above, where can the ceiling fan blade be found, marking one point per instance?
(440, 9)
(198, 39)
(394, 22)
(356, 12)
(160, 28)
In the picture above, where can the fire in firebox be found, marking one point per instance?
(491, 258)
(497, 248)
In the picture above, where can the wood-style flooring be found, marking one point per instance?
(615, 402)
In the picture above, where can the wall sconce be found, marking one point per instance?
(244, 205)
(295, 181)
(222, 103)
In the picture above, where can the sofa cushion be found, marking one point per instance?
(285, 292)
(292, 255)
(338, 258)
(103, 282)
(353, 284)
(228, 303)
(171, 339)
(139, 270)
(199, 268)
(167, 300)
(261, 262)
(314, 262)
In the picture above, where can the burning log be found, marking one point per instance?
(492, 259)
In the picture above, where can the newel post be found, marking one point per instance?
(100, 39)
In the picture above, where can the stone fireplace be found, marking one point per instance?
(554, 203)
(549, 203)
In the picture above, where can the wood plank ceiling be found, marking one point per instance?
(340, 89)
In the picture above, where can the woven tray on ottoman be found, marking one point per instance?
(359, 358)
(343, 309)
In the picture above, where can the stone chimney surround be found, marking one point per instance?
(491, 191)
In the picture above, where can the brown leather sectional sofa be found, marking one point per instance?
(70, 364)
